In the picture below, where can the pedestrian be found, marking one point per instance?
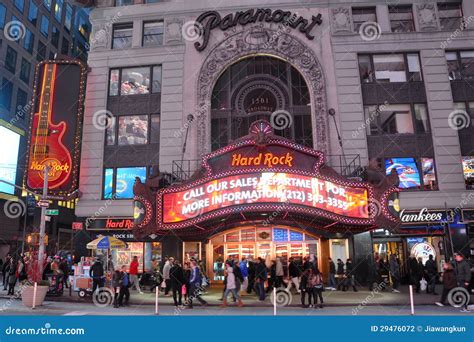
(432, 274)
(124, 285)
(332, 275)
(12, 277)
(245, 274)
(177, 281)
(449, 282)
(21, 270)
(96, 272)
(5, 267)
(231, 285)
(251, 274)
(395, 273)
(349, 276)
(279, 273)
(261, 275)
(421, 270)
(133, 271)
(463, 274)
(64, 267)
(315, 286)
(340, 274)
(166, 274)
(187, 277)
(307, 263)
(294, 274)
(304, 290)
(414, 273)
(195, 285)
(116, 283)
(239, 278)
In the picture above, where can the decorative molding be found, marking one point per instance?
(173, 27)
(264, 41)
(427, 17)
(341, 20)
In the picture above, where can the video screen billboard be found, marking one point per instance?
(265, 187)
(8, 159)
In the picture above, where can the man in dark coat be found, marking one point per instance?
(261, 275)
(97, 274)
(295, 273)
(432, 274)
(251, 272)
(177, 281)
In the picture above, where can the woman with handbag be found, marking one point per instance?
(315, 283)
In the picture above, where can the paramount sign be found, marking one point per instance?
(426, 216)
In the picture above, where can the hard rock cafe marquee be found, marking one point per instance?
(262, 195)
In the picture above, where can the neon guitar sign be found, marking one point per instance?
(47, 148)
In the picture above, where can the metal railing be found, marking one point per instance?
(348, 166)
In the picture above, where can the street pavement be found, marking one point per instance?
(363, 302)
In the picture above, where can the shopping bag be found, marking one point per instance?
(423, 284)
(183, 290)
(163, 284)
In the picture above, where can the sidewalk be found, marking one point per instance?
(331, 298)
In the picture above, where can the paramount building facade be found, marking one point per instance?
(351, 91)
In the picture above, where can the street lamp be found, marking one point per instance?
(332, 113)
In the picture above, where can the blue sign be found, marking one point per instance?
(280, 235)
(296, 236)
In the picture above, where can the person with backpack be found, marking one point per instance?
(245, 273)
(124, 285)
(315, 288)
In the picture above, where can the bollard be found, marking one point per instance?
(274, 301)
(412, 305)
(157, 291)
(34, 295)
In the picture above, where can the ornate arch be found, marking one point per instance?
(260, 40)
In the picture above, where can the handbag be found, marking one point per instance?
(423, 284)
(163, 284)
(183, 290)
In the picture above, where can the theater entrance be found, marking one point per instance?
(253, 242)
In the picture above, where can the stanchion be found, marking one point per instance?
(34, 295)
(157, 291)
(274, 301)
(412, 305)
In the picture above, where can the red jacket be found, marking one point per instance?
(134, 268)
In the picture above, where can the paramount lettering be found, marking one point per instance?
(212, 19)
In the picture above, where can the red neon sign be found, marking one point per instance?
(265, 187)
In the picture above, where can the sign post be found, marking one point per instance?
(43, 221)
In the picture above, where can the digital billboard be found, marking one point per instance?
(55, 126)
(265, 187)
(8, 159)
(407, 172)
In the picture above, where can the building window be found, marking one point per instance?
(413, 173)
(153, 33)
(82, 23)
(468, 171)
(135, 81)
(152, 1)
(47, 4)
(118, 182)
(29, 41)
(65, 46)
(55, 36)
(460, 65)
(10, 60)
(33, 13)
(44, 26)
(450, 16)
(41, 54)
(401, 18)
(389, 68)
(3, 11)
(25, 71)
(21, 100)
(6, 92)
(68, 18)
(19, 4)
(396, 119)
(123, 2)
(362, 15)
(58, 10)
(133, 130)
(122, 36)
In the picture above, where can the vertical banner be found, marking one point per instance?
(55, 126)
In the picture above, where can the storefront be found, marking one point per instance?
(263, 196)
(146, 250)
(423, 232)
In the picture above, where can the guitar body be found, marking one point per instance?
(47, 148)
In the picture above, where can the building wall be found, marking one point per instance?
(336, 47)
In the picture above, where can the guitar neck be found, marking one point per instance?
(46, 100)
